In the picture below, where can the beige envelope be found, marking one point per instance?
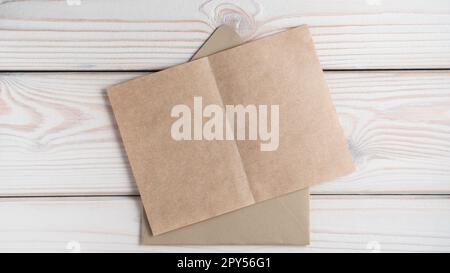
(185, 180)
(283, 220)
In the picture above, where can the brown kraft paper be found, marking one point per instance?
(282, 220)
(183, 182)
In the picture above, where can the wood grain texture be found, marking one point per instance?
(338, 223)
(120, 35)
(58, 137)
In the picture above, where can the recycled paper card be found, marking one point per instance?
(226, 131)
(282, 220)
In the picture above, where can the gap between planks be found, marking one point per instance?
(363, 195)
(421, 69)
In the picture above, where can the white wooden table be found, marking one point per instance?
(65, 184)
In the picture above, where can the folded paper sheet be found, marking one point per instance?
(187, 181)
(282, 220)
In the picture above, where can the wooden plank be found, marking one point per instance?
(338, 223)
(146, 35)
(398, 129)
(58, 137)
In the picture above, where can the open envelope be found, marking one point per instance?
(283, 220)
(185, 179)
